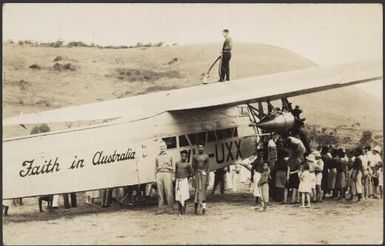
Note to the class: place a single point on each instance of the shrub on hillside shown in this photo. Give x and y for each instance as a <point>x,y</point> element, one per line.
<point>23,83</point>
<point>366,138</point>
<point>56,44</point>
<point>174,60</point>
<point>76,44</point>
<point>25,42</point>
<point>326,139</point>
<point>40,129</point>
<point>160,44</point>
<point>63,66</point>
<point>35,67</point>
<point>155,88</point>
<point>144,75</point>
<point>58,58</point>
<point>347,140</point>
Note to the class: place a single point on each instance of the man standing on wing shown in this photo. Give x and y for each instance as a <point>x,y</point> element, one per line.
<point>200,165</point>
<point>226,56</point>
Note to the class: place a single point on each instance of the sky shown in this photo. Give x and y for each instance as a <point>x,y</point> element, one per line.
<point>324,33</point>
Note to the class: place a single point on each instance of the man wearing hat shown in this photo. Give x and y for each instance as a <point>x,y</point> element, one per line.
<point>226,56</point>
<point>367,173</point>
<point>319,167</point>
<point>377,151</point>
<point>311,161</point>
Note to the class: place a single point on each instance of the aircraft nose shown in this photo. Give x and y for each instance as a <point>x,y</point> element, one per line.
<point>277,123</point>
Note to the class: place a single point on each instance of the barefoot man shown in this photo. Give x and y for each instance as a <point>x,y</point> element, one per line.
<point>200,164</point>
<point>183,172</point>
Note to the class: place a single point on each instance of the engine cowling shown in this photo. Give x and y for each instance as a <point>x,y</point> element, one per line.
<point>280,122</point>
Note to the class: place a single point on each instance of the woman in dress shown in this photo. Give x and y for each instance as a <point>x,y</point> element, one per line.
<point>305,185</point>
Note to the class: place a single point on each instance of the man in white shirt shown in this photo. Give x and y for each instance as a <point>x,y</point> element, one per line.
<point>376,156</point>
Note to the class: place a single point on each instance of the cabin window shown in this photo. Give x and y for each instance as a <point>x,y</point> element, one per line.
<point>202,137</point>
<point>235,134</point>
<point>183,141</point>
<point>227,133</point>
<point>211,136</point>
<point>219,134</point>
<point>170,142</point>
<point>193,138</point>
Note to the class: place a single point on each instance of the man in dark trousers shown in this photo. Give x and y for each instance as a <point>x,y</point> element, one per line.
<point>219,179</point>
<point>226,56</point>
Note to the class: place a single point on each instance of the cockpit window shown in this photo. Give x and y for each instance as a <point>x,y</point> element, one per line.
<point>183,141</point>
<point>227,133</point>
<point>202,137</point>
<point>170,142</point>
<point>193,138</point>
<point>219,134</point>
<point>235,133</point>
<point>211,136</point>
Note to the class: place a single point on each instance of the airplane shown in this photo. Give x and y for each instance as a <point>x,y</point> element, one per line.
<point>228,117</point>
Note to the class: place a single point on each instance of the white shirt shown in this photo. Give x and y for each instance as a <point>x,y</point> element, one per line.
<point>377,159</point>
<point>365,161</point>
<point>271,144</point>
<point>320,165</point>
<point>370,159</point>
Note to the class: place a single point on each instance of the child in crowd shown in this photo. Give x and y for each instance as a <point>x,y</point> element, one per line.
<point>305,185</point>
<point>263,185</point>
<point>377,181</point>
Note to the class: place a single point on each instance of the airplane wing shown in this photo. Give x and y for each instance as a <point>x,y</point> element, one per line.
<point>248,90</point>
<point>285,84</point>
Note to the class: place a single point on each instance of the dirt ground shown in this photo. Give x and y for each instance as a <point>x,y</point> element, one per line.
<point>231,219</point>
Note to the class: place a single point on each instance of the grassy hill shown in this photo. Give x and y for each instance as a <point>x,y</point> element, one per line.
<point>73,76</point>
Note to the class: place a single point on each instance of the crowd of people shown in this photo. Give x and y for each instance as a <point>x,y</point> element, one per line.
<point>298,176</point>
<point>284,171</point>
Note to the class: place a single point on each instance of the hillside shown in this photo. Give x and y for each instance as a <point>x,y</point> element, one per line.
<point>83,75</point>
